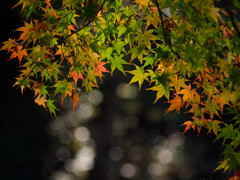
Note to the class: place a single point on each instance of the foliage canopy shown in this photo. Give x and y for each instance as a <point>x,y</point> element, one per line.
<point>185,50</point>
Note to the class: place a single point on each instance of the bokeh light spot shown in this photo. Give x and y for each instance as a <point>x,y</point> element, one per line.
<point>86,110</point>
<point>96,97</point>
<point>128,170</point>
<point>165,156</point>
<point>65,136</point>
<point>126,91</point>
<point>82,134</point>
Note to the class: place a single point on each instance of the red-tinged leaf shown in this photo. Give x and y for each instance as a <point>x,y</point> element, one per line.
<point>176,104</point>
<point>18,83</point>
<point>221,100</point>
<point>188,124</point>
<point>26,30</point>
<point>60,52</point>
<point>70,27</point>
<point>76,76</point>
<point>48,2</point>
<point>99,69</point>
<point>75,98</point>
<point>234,178</point>
<point>20,53</point>
<point>40,100</point>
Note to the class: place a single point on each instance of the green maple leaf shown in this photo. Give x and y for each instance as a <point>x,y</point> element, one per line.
<point>117,62</point>
<point>161,91</point>
<point>43,90</point>
<point>52,108</point>
<point>139,76</point>
<point>164,80</point>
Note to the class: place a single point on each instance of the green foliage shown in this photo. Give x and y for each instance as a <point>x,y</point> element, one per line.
<point>190,55</point>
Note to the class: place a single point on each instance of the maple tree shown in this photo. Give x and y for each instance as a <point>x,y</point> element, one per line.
<point>185,50</point>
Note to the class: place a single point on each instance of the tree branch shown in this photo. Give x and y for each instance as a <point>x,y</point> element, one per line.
<point>166,38</point>
<point>231,17</point>
<point>88,22</point>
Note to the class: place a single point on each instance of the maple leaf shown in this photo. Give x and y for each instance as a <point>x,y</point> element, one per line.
<point>99,69</point>
<point>40,100</point>
<point>161,91</point>
<point>178,83</point>
<point>9,44</point>
<point>76,76</point>
<point>117,62</point>
<point>139,76</point>
<point>188,93</point>
<point>20,53</point>
<point>48,4</point>
<point>143,4</point>
<point>25,4</point>
<point>75,99</point>
<point>26,30</point>
<point>152,20</point>
<point>52,108</point>
<point>70,27</point>
<point>234,178</point>
<point>221,100</point>
<point>20,82</point>
<point>212,108</point>
<point>188,124</point>
<point>213,12</point>
<point>176,104</point>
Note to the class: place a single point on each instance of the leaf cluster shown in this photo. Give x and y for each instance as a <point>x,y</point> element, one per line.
<point>184,50</point>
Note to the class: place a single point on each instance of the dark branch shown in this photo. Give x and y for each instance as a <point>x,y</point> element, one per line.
<point>88,22</point>
<point>231,17</point>
<point>165,35</point>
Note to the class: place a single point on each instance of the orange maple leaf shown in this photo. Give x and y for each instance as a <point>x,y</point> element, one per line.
<point>187,93</point>
<point>99,68</point>
<point>41,101</point>
<point>234,178</point>
<point>20,53</point>
<point>26,30</point>
<point>48,2</point>
<point>76,76</point>
<point>176,104</point>
<point>188,124</point>
<point>76,99</point>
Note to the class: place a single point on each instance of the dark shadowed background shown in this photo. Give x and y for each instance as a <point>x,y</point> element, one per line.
<point>117,134</point>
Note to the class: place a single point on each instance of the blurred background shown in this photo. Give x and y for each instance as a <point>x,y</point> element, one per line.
<point>116,133</point>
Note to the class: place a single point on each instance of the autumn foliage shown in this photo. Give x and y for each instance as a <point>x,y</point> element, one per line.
<point>187,51</point>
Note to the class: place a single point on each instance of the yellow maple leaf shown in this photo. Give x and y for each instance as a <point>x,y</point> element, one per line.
<point>161,91</point>
<point>143,4</point>
<point>187,93</point>
<point>213,12</point>
<point>24,3</point>
<point>7,45</point>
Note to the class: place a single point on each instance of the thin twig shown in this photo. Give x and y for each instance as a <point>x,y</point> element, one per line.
<point>87,23</point>
<point>166,38</point>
